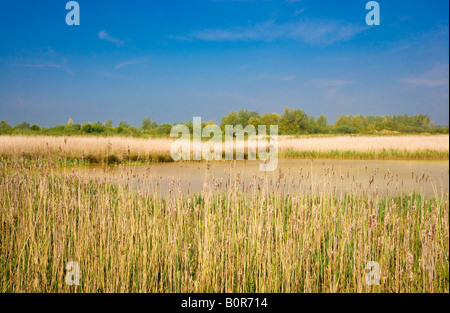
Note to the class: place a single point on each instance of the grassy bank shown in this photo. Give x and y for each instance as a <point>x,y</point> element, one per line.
<point>425,155</point>
<point>391,154</point>
<point>126,241</point>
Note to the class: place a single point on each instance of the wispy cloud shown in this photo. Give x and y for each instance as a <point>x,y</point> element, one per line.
<point>44,65</point>
<point>332,87</point>
<point>125,63</point>
<point>332,83</point>
<point>314,32</point>
<point>45,59</point>
<point>105,36</point>
<point>288,78</point>
<point>39,65</point>
<point>438,76</point>
<point>298,12</point>
<point>113,75</point>
<point>138,61</point>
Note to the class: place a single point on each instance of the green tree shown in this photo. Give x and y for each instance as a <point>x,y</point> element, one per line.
<point>230,119</point>
<point>320,126</point>
<point>270,119</point>
<point>147,124</point>
<point>22,126</point>
<point>87,128</point>
<point>108,123</point>
<point>322,122</point>
<point>254,121</point>
<point>244,116</point>
<point>124,125</point>
<point>164,129</point>
<point>5,128</point>
<point>294,121</point>
<point>35,128</point>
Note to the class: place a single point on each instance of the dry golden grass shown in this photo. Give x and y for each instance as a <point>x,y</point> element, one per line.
<point>84,148</point>
<point>261,241</point>
<point>366,143</point>
<point>119,149</point>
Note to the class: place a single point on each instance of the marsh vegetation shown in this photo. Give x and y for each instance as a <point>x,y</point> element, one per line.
<point>233,240</point>
<point>125,150</point>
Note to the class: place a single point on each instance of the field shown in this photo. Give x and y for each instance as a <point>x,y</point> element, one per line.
<point>235,235</point>
<point>76,150</point>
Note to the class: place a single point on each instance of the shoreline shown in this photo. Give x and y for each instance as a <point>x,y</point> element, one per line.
<point>392,155</point>
<point>126,150</point>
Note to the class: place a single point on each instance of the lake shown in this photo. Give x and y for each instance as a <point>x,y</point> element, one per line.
<point>365,177</point>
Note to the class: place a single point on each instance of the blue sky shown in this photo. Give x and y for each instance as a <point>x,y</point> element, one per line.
<point>172,60</point>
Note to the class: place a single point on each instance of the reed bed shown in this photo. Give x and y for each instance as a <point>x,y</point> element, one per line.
<point>260,241</point>
<point>91,150</point>
<point>86,149</point>
<point>411,143</point>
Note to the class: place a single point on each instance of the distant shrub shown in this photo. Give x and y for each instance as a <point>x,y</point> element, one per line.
<point>75,127</point>
<point>59,129</point>
<point>164,129</point>
<point>98,128</point>
<point>87,128</point>
<point>316,130</point>
<point>22,126</point>
<point>413,129</point>
<point>345,129</point>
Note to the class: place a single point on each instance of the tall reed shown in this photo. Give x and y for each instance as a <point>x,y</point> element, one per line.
<point>260,241</point>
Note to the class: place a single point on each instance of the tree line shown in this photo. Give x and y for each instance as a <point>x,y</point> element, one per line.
<point>290,122</point>
<point>297,122</point>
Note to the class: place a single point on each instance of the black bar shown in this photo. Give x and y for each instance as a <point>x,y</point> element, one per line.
<point>227,302</point>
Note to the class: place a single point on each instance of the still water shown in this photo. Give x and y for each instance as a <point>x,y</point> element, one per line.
<point>375,178</point>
